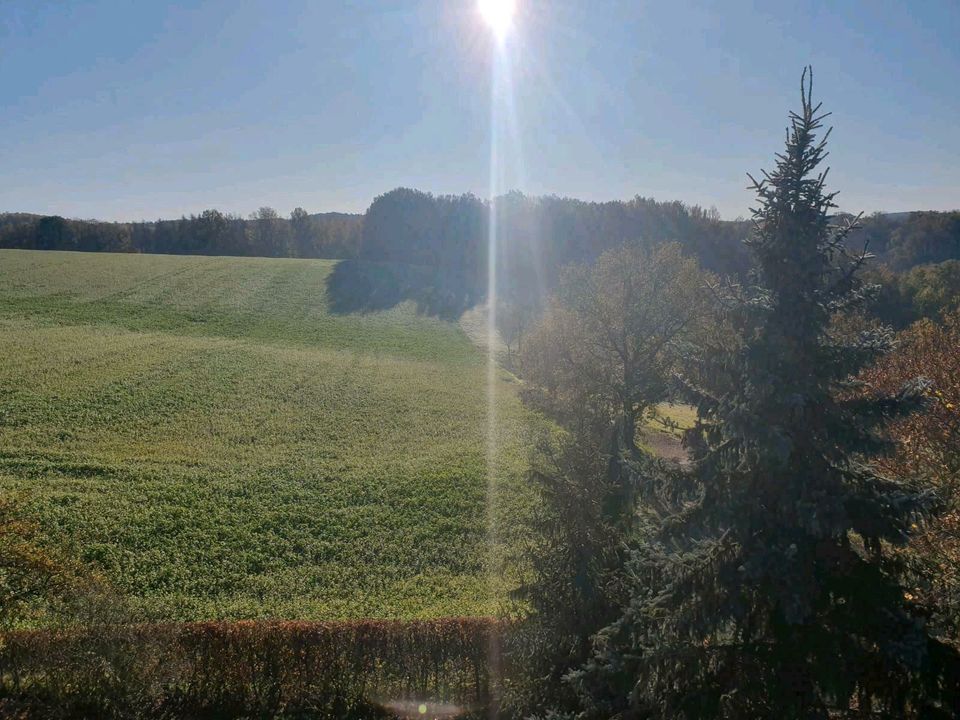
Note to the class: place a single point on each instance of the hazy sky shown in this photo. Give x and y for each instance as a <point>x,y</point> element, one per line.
<point>137,110</point>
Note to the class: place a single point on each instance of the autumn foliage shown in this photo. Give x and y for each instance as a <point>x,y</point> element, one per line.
<point>929,450</point>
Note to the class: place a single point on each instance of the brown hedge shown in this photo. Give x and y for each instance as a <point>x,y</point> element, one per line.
<point>254,668</point>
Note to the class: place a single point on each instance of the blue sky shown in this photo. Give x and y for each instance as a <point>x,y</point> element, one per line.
<point>138,110</point>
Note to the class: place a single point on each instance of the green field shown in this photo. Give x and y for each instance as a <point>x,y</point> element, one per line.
<point>207,435</point>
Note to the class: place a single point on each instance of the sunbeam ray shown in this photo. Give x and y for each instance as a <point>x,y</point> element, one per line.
<point>499,16</point>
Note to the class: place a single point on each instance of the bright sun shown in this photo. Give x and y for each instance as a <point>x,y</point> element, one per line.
<point>498,14</point>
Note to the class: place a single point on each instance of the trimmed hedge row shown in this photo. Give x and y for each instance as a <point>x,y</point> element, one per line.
<point>366,668</point>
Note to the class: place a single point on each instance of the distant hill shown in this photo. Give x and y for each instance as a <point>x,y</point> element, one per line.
<point>903,240</point>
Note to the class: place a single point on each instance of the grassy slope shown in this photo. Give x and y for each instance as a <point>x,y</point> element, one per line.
<point>207,434</point>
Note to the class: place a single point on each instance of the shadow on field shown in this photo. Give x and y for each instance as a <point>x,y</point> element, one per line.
<point>359,286</point>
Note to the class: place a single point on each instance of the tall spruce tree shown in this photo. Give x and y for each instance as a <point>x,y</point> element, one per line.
<point>766,590</point>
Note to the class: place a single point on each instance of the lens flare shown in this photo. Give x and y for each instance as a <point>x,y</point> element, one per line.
<point>498,14</point>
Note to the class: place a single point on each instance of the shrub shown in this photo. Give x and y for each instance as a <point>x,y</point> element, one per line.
<point>251,669</point>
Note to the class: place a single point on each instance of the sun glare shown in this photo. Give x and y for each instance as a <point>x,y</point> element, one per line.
<point>498,14</point>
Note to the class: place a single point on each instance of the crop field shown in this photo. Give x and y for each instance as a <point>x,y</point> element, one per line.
<point>206,434</point>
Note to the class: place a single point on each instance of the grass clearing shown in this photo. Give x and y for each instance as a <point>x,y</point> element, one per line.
<point>671,418</point>
<point>662,430</point>
<point>216,442</point>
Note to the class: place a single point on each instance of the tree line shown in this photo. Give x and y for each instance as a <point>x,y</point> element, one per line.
<point>537,236</point>
<point>916,268</point>
<point>446,237</point>
<point>264,233</point>
<point>905,240</point>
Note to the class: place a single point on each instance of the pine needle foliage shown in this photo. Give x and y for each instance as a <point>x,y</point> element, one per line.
<point>768,589</point>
